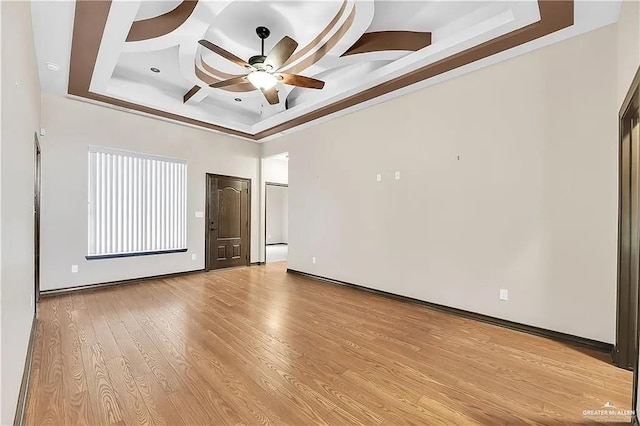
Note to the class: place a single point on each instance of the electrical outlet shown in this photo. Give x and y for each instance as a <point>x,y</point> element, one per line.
<point>199,214</point>
<point>504,294</point>
<point>397,175</point>
<point>74,269</point>
<point>379,177</point>
<point>313,260</point>
<point>194,256</point>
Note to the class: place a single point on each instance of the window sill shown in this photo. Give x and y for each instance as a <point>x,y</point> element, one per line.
<point>141,253</point>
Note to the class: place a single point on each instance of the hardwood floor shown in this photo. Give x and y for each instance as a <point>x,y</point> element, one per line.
<point>259,346</point>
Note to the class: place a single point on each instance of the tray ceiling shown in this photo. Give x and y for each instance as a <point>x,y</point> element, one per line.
<point>364,50</point>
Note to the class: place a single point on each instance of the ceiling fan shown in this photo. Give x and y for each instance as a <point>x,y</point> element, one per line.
<point>264,73</point>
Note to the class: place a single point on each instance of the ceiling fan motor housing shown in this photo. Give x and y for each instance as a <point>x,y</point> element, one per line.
<point>257,61</point>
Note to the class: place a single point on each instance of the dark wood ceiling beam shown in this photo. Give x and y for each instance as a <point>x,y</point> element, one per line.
<point>381,41</point>
<point>158,26</point>
<point>190,93</point>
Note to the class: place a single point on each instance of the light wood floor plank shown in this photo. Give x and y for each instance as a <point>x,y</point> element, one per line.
<point>50,410</point>
<point>102,394</point>
<point>260,346</point>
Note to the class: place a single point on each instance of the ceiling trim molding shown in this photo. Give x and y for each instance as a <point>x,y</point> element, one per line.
<point>325,48</point>
<point>89,24</point>
<point>390,40</point>
<point>554,16</point>
<point>190,93</point>
<point>158,26</point>
<point>91,17</point>
<point>300,53</point>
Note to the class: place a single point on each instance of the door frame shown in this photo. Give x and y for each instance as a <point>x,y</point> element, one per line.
<point>627,286</point>
<point>208,177</point>
<point>632,99</point>
<point>283,185</point>
<point>37,188</point>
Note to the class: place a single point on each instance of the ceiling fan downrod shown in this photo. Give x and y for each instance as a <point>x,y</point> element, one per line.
<point>263,33</point>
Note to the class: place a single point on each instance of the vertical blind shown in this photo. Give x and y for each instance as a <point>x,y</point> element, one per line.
<point>137,203</point>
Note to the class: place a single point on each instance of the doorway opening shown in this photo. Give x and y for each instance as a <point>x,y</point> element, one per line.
<point>228,229</point>
<point>276,219</point>
<point>36,223</point>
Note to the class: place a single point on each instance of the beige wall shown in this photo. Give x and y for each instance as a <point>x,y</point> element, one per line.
<point>20,120</point>
<point>628,46</point>
<point>0,215</point>
<point>529,206</point>
<point>71,126</point>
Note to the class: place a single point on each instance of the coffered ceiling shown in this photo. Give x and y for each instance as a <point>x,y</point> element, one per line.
<point>365,51</point>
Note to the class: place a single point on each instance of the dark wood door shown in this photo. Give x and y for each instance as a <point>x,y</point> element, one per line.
<point>228,221</point>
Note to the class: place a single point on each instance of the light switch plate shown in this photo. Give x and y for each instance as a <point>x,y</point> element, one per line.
<point>313,259</point>
<point>194,256</point>
<point>397,175</point>
<point>199,214</point>
<point>504,294</point>
<point>379,177</point>
<point>74,269</point>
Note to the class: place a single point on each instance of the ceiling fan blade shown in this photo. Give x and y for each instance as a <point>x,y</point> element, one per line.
<point>271,95</point>
<point>229,82</point>
<point>301,81</point>
<point>224,53</point>
<point>280,53</point>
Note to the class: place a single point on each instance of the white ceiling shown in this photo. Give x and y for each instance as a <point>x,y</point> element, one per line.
<point>122,68</point>
<point>150,9</point>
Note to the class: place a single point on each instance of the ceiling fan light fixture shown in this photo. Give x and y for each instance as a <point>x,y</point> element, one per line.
<point>262,80</point>
<point>264,71</point>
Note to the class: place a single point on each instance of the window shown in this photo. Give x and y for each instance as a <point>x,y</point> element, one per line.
<point>137,204</point>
